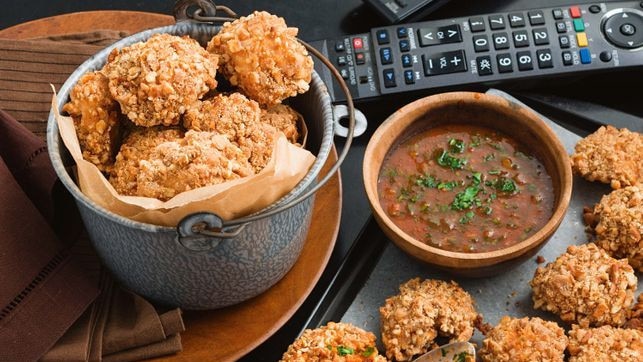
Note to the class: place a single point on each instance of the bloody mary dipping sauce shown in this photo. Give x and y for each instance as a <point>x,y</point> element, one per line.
<point>465,188</point>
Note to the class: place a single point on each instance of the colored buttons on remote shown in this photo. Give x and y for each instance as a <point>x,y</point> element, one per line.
<point>358,43</point>
<point>574,12</point>
<point>439,35</point>
<point>581,39</point>
<point>585,56</point>
<point>445,62</point>
<point>579,25</point>
<point>360,58</point>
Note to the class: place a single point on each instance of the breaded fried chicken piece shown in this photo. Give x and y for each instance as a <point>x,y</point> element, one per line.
<point>587,286</point>
<point>161,164</point>
<point>156,81</point>
<point>284,119</point>
<point>619,224</point>
<point>95,114</point>
<point>234,116</point>
<point>605,344</point>
<point>237,118</point>
<point>611,156</point>
<point>261,55</point>
<point>636,317</point>
<point>524,340</point>
<point>337,342</point>
<point>424,310</point>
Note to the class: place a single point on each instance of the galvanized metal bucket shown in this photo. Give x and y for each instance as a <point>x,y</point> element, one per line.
<point>206,262</point>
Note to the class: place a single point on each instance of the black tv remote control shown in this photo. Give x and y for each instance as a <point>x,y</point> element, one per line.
<point>488,49</point>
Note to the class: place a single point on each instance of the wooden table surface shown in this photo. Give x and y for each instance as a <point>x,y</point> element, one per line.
<point>229,333</point>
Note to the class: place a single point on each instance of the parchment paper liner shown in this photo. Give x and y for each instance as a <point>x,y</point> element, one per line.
<point>230,200</point>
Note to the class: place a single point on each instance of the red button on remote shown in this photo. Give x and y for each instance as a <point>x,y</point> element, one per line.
<point>358,43</point>
<point>574,11</point>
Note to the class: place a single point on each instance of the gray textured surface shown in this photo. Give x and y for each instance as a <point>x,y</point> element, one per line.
<point>505,294</point>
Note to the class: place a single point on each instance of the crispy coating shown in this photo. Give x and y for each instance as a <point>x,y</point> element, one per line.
<point>587,286</point>
<point>239,119</point>
<point>611,156</point>
<point>524,340</point>
<point>619,226</point>
<point>234,116</point>
<point>636,317</point>
<point>161,163</point>
<point>283,118</point>
<point>156,81</point>
<point>605,344</point>
<point>423,311</point>
<point>260,54</point>
<point>335,342</point>
<point>96,119</point>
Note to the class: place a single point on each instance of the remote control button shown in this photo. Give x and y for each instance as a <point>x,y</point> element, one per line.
<point>567,58</point>
<point>409,77</point>
<point>521,39</point>
<point>585,56</point>
<point>544,58</point>
<point>581,39</point>
<point>360,58</point>
<point>402,3</point>
<point>524,61</point>
<point>563,40</point>
<point>389,78</point>
<point>561,27</point>
<point>405,45</point>
<point>516,20</point>
<point>407,61</point>
<point>579,25</point>
<point>443,63</point>
<point>505,64</point>
<point>358,43</point>
<point>476,24</point>
<point>605,56</point>
<point>574,11</point>
<point>627,29</point>
<point>344,73</point>
<point>496,22</point>
<point>540,36</point>
<point>402,32</point>
<point>386,56</point>
<point>536,17</point>
<point>484,65</point>
<point>363,79</point>
<point>594,9</point>
<point>339,46</point>
<point>624,29</point>
<point>440,35</point>
<point>500,41</point>
<point>557,14</point>
<point>382,37</point>
<point>341,60</point>
<point>480,43</point>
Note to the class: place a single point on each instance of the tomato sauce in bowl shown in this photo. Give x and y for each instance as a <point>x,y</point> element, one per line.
<point>465,188</point>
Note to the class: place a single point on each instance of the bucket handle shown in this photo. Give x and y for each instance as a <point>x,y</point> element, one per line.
<point>210,224</point>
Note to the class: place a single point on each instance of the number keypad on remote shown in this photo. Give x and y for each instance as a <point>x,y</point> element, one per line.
<point>489,48</point>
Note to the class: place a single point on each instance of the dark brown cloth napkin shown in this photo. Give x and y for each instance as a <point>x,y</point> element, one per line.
<point>119,325</point>
<point>42,291</point>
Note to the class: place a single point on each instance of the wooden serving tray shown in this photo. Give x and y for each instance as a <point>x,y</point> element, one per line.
<point>229,333</point>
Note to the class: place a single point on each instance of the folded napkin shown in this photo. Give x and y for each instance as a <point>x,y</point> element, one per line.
<point>119,325</point>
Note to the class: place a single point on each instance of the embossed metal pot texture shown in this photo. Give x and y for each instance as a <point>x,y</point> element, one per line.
<point>151,261</point>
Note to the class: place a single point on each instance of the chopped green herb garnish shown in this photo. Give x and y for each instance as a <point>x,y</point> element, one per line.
<point>494,172</point>
<point>477,178</point>
<point>443,351</point>
<point>343,351</point>
<point>456,145</point>
<point>446,160</point>
<point>447,186</point>
<point>506,185</point>
<point>465,199</point>
<point>490,157</point>
<point>391,172</point>
<point>426,181</point>
<point>487,210</point>
<point>475,141</point>
<point>467,217</point>
<point>425,207</point>
<point>368,351</point>
<point>461,357</point>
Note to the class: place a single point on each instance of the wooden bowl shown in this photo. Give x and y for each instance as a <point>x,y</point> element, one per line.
<point>484,110</point>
